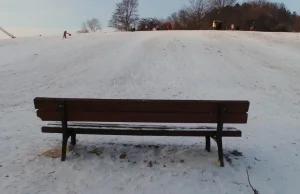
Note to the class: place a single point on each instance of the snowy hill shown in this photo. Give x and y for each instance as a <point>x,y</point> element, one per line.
<point>263,68</point>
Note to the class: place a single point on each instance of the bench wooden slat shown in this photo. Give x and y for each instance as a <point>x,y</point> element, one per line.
<point>144,132</point>
<point>143,117</point>
<point>138,126</point>
<point>135,105</point>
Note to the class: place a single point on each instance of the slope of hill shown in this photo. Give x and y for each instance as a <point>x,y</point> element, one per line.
<point>263,68</point>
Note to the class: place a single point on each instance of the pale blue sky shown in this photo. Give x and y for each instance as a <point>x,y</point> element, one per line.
<point>54,15</point>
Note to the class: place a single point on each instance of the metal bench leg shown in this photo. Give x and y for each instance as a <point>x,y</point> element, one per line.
<point>73,139</point>
<point>207,143</point>
<point>64,147</point>
<point>66,134</point>
<point>221,117</point>
<point>220,151</point>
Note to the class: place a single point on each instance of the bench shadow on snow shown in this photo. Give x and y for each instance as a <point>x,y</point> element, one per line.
<point>145,154</point>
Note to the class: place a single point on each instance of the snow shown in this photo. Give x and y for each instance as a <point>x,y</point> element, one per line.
<point>32,32</point>
<point>263,68</point>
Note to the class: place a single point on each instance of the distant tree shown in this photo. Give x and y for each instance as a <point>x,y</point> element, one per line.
<point>197,10</point>
<point>222,3</point>
<point>149,22</point>
<point>125,16</point>
<point>83,29</point>
<point>90,25</point>
<point>260,14</point>
<point>163,24</point>
<point>191,16</point>
<point>257,2</point>
<point>93,24</point>
<point>184,19</point>
<point>296,26</point>
<point>174,19</point>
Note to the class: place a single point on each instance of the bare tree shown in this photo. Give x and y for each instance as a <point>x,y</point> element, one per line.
<point>90,25</point>
<point>149,22</point>
<point>197,10</point>
<point>125,15</point>
<point>257,2</point>
<point>175,21</point>
<point>183,18</point>
<point>83,29</point>
<point>93,24</point>
<point>221,3</point>
<point>190,16</point>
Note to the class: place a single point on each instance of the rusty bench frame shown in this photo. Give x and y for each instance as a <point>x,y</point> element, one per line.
<point>114,110</point>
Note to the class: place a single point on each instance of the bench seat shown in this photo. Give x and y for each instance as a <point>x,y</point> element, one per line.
<point>140,129</point>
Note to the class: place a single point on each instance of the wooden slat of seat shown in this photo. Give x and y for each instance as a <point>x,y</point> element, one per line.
<point>138,126</point>
<point>142,131</point>
<point>143,117</point>
<point>135,105</point>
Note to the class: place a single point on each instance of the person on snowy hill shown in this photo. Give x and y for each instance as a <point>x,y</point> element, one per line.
<point>169,26</point>
<point>252,28</point>
<point>219,25</point>
<point>65,34</point>
<point>214,25</point>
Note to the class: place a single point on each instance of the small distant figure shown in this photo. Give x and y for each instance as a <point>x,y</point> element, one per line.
<point>232,27</point>
<point>157,27</point>
<point>146,28</point>
<point>133,29</point>
<point>169,26</point>
<point>252,28</point>
<point>65,34</point>
<point>219,25</point>
<point>214,25</point>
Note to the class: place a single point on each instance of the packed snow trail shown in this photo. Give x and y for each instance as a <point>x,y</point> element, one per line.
<point>206,65</point>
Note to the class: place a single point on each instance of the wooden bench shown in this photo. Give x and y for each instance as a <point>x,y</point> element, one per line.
<point>126,117</point>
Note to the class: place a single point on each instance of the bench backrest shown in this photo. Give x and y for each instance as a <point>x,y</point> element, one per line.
<point>155,111</point>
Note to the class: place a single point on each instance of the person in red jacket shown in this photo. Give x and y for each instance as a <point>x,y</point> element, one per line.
<point>169,26</point>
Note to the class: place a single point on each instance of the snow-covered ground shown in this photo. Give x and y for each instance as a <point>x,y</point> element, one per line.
<point>263,68</point>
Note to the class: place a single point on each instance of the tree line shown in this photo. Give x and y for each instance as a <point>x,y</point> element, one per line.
<point>200,14</point>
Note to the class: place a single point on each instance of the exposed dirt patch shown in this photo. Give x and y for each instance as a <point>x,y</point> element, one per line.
<point>54,152</point>
<point>234,154</point>
<point>123,156</point>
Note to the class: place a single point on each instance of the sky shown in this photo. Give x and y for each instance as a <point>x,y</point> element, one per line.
<point>33,17</point>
